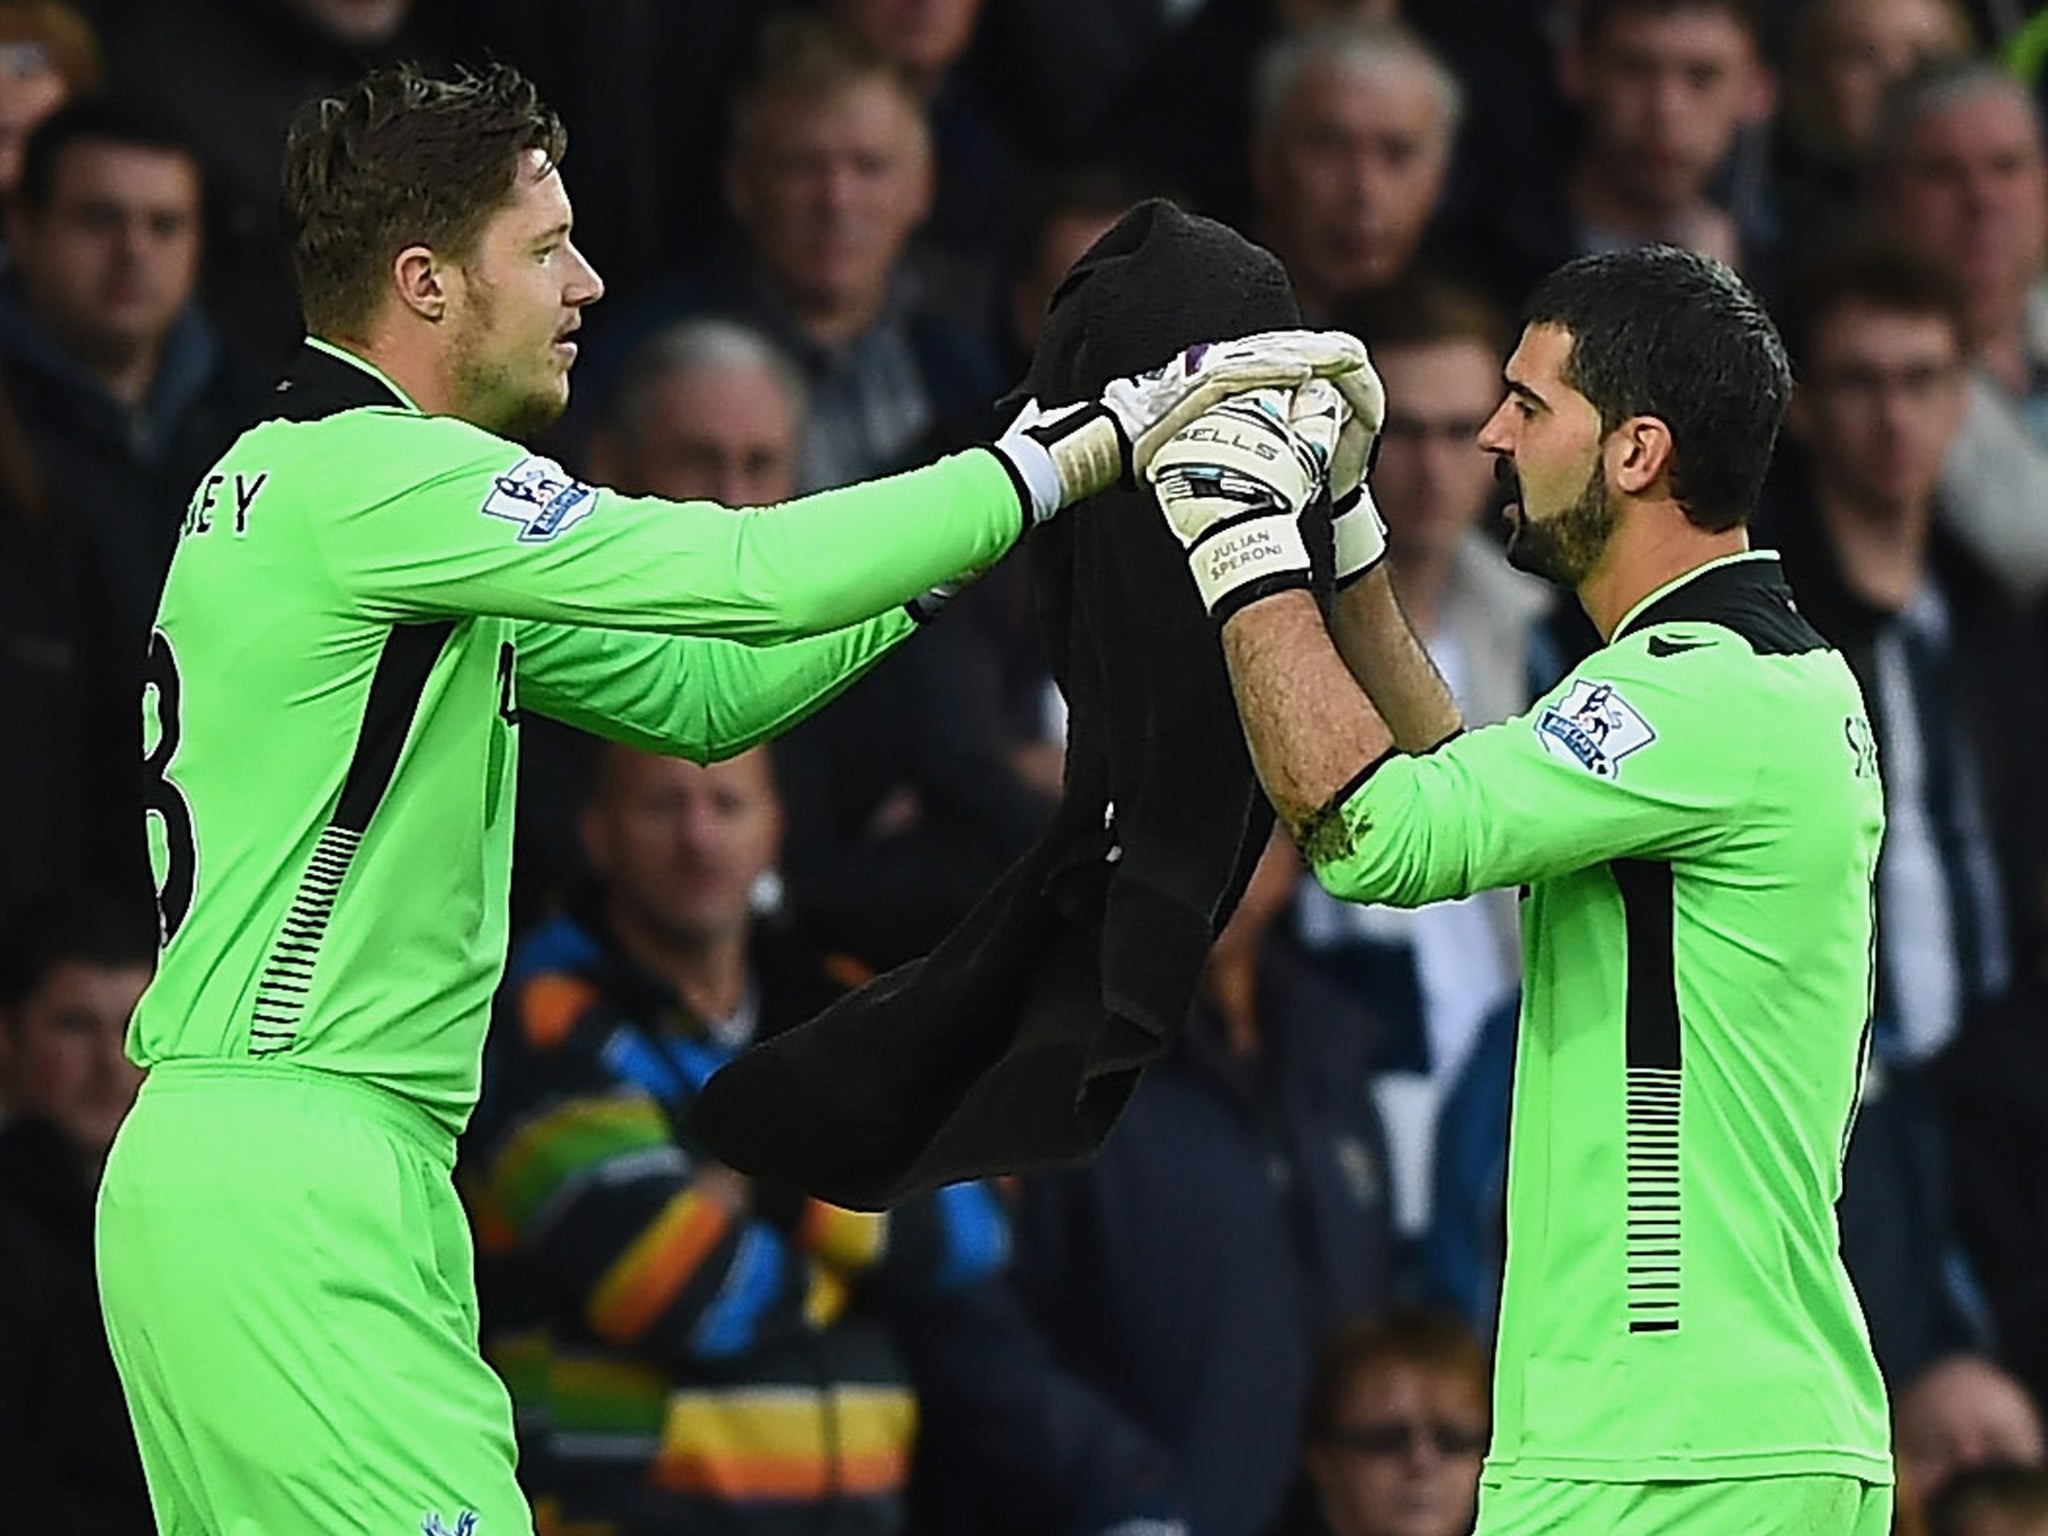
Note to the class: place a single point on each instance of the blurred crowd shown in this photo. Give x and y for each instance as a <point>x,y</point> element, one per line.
<point>829,234</point>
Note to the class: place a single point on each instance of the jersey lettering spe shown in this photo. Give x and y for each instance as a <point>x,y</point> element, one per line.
<point>1695,815</point>
<point>363,600</point>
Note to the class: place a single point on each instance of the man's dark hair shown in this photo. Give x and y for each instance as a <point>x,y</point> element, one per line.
<point>94,928</point>
<point>102,120</point>
<point>1421,309</point>
<point>1869,274</point>
<point>1658,331</point>
<point>1096,191</point>
<point>401,158</point>
<point>1596,15</point>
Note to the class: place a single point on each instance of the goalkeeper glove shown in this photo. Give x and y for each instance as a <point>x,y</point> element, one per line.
<point>1360,535</point>
<point>1233,484</point>
<point>1063,456</point>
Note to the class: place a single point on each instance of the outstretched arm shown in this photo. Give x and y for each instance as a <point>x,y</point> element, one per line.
<point>703,699</point>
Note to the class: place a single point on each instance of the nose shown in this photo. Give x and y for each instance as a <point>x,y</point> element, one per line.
<point>1496,437</point>
<point>585,286</point>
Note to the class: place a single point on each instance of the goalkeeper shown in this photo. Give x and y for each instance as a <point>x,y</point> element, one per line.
<point>1693,815</point>
<point>369,589</point>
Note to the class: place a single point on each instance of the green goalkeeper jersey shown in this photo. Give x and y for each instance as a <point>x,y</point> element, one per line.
<point>1693,815</point>
<point>363,600</point>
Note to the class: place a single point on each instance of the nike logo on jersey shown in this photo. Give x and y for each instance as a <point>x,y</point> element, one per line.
<point>1659,646</point>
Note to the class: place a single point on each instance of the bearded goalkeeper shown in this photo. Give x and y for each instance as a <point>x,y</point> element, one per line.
<point>371,586</point>
<point>1693,816</point>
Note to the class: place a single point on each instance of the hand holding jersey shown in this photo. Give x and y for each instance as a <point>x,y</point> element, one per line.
<point>1355,524</point>
<point>1063,456</point>
<point>1233,484</point>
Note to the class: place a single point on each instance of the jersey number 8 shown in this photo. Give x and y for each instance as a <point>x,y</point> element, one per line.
<point>162,798</point>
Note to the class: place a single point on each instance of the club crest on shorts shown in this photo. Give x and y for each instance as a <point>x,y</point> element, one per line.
<point>1593,726</point>
<point>465,1525</point>
<point>540,496</point>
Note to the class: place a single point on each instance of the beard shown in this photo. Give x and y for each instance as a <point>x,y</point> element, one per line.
<point>1567,547</point>
<point>493,393</point>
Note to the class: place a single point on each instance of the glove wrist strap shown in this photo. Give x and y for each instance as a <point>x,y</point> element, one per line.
<point>1245,558</point>
<point>1358,534</point>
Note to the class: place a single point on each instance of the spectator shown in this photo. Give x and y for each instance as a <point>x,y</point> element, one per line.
<point>749,1386</point>
<point>1960,175</point>
<point>748,1338</point>
<point>1396,1426</point>
<point>48,54</point>
<point>1845,55</point>
<point>1433,975</point>
<point>829,177</point>
<point>1963,1412</point>
<point>1235,1214</point>
<point>1664,90</point>
<point>124,397</point>
<point>229,74</point>
<point>1994,1501</point>
<point>1949,669</point>
<point>70,793</point>
<point>1879,339</point>
<point>979,183</point>
<point>1155,134</point>
<point>905,796</point>
<point>708,410</point>
<point>1351,146</point>
<point>68,982</point>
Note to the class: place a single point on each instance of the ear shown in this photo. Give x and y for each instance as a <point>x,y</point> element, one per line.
<point>422,282</point>
<point>1639,455</point>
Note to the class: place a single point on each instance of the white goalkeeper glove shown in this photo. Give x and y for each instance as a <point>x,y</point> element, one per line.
<point>1062,456</point>
<point>1233,484</point>
<point>1360,401</point>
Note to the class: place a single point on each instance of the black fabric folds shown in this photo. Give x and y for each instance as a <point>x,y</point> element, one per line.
<point>1015,1043</point>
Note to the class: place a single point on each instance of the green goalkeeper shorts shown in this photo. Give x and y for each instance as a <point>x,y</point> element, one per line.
<point>1817,1504</point>
<point>290,1295</point>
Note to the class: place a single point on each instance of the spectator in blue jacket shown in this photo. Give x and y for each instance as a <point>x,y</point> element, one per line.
<point>689,1350</point>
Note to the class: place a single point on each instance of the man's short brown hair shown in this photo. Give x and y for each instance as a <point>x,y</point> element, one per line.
<point>809,58</point>
<point>1869,273</point>
<point>1432,1340</point>
<point>401,158</point>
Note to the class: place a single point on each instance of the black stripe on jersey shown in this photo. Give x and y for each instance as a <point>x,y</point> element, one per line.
<point>1654,1099</point>
<point>1750,597</point>
<point>1652,981</point>
<point>410,651</point>
<point>400,682</point>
